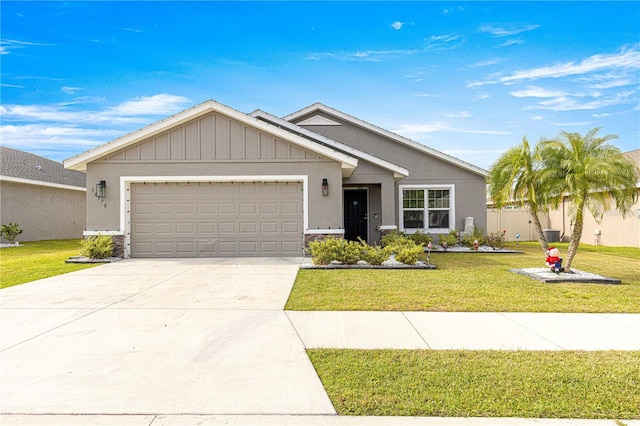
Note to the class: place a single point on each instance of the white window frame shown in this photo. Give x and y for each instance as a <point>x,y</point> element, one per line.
<point>426,188</point>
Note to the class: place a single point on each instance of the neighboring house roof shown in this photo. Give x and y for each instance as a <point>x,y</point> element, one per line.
<point>319,107</point>
<point>24,167</point>
<point>398,172</point>
<point>80,162</point>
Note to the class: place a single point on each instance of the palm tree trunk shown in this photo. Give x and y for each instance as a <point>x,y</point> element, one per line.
<point>576,235</point>
<point>538,227</point>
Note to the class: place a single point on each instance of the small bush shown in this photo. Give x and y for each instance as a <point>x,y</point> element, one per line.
<point>451,238</point>
<point>373,255</point>
<point>409,254</point>
<point>478,234</point>
<point>496,240</point>
<point>10,231</point>
<point>338,249</point>
<point>393,238</point>
<point>419,238</point>
<point>98,247</point>
<point>349,252</point>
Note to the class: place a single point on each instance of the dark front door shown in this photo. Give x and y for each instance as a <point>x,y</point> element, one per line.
<point>355,214</point>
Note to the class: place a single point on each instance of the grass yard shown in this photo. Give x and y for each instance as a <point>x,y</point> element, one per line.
<point>37,260</point>
<point>549,384</point>
<point>476,282</point>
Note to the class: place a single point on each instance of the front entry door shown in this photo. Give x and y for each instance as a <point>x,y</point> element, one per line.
<point>355,214</point>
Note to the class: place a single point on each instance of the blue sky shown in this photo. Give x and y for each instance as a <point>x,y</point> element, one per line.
<point>467,78</point>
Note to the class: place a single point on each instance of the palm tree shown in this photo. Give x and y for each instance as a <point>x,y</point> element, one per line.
<point>515,178</point>
<point>591,173</point>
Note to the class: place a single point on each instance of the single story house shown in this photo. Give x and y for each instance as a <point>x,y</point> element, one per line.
<point>41,196</point>
<point>213,181</point>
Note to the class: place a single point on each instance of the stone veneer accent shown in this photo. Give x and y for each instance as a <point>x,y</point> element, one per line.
<point>308,238</point>
<point>118,246</point>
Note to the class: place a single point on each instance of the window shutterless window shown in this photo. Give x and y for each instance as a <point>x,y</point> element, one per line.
<point>426,208</point>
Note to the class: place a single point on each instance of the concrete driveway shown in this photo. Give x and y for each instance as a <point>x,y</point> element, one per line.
<point>192,336</point>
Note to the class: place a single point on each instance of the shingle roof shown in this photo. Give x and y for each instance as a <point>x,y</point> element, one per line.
<point>385,133</point>
<point>24,165</point>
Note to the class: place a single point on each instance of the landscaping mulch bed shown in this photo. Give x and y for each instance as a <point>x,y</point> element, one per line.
<point>576,276</point>
<point>307,263</point>
<point>83,259</point>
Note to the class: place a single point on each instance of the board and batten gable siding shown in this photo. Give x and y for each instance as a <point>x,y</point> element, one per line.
<point>212,138</point>
<point>423,168</point>
<point>213,145</point>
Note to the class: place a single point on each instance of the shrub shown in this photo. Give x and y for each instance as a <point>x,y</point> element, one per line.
<point>331,248</point>
<point>419,238</point>
<point>393,238</point>
<point>496,240</point>
<point>478,234</point>
<point>451,238</point>
<point>374,255</point>
<point>10,231</point>
<point>409,254</point>
<point>98,247</point>
<point>349,252</point>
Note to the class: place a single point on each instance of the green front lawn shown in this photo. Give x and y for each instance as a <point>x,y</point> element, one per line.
<point>475,282</point>
<point>548,384</point>
<point>37,260</point>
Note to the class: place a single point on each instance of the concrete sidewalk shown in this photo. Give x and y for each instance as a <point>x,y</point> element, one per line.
<point>292,420</point>
<point>467,330</point>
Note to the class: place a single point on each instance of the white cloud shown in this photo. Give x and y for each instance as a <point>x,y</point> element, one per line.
<point>569,103</point>
<point>512,42</point>
<point>38,137</point>
<point>69,128</point>
<point>421,129</point>
<point>6,45</point>
<point>70,90</point>
<point>396,25</point>
<point>507,30</point>
<point>15,86</point>
<point>444,42</point>
<point>461,114</point>
<point>625,62</point>
<point>626,59</point>
<point>537,92</point>
<point>151,105</point>
<point>486,63</point>
<point>129,112</point>
<point>360,56</point>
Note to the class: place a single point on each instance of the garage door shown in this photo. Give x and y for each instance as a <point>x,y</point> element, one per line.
<point>216,219</point>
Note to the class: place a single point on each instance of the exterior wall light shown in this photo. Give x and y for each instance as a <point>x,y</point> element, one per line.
<point>101,189</point>
<point>325,187</point>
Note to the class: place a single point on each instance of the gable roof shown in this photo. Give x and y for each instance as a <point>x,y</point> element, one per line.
<point>80,162</point>
<point>319,107</point>
<point>398,172</point>
<point>24,167</point>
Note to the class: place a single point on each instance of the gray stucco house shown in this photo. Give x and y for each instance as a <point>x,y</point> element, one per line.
<point>213,181</point>
<point>40,195</point>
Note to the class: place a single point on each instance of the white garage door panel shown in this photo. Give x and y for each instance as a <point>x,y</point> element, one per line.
<point>216,219</point>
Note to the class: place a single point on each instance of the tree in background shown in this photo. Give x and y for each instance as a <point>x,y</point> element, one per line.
<point>591,173</point>
<point>516,178</point>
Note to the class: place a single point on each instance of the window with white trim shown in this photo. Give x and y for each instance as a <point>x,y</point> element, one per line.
<point>427,208</point>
